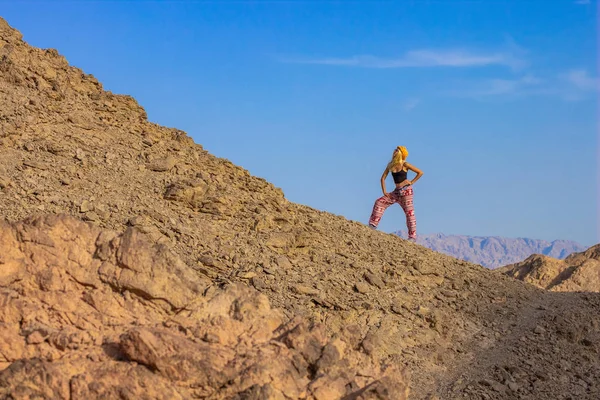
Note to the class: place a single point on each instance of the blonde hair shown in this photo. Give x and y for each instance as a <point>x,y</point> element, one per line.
<point>399,157</point>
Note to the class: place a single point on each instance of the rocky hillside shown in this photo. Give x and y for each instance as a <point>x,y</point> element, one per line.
<point>578,272</point>
<point>168,277</point>
<point>494,251</point>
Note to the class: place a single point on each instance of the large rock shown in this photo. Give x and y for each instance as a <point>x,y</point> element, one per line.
<point>83,307</point>
<point>577,272</point>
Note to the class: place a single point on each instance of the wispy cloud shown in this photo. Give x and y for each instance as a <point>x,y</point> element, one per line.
<point>509,86</point>
<point>410,104</point>
<point>420,58</point>
<point>577,84</point>
<point>583,2</point>
<point>483,88</point>
<point>572,85</point>
<point>581,80</point>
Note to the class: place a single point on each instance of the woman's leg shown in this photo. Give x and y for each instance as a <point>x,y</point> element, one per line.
<point>406,201</point>
<point>379,208</point>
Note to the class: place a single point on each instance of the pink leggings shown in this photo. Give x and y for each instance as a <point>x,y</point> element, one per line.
<point>403,196</point>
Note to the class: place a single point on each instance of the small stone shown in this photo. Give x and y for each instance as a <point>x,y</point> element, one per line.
<point>162,164</point>
<point>367,305</point>
<point>423,311</point>
<point>496,386</point>
<point>301,289</point>
<point>35,338</point>
<point>368,344</point>
<point>79,154</point>
<point>4,182</point>
<point>85,206</point>
<point>581,383</point>
<point>323,303</point>
<point>212,262</point>
<point>211,338</point>
<point>258,283</point>
<point>374,280</point>
<point>284,263</point>
<point>438,280</point>
<point>539,330</point>
<point>513,386</point>
<point>361,287</point>
<point>91,216</point>
<point>247,275</point>
<point>35,165</point>
<point>397,308</point>
<point>530,362</point>
<point>278,240</point>
<point>103,213</point>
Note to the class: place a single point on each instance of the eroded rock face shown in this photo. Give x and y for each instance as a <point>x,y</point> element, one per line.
<point>577,272</point>
<point>90,312</point>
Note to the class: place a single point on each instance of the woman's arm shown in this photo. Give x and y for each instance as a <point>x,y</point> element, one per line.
<point>383,181</point>
<point>414,169</point>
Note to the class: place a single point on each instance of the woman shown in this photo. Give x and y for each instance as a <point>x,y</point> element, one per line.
<point>403,194</point>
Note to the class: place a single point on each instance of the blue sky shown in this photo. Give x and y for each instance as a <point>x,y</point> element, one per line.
<point>496,101</point>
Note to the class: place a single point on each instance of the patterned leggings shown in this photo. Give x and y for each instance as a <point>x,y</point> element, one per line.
<point>403,196</point>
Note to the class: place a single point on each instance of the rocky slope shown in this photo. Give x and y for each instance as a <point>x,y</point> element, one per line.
<point>69,147</point>
<point>494,251</point>
<point>577,272</point>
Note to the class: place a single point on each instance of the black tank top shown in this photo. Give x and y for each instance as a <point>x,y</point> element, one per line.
<point>399,176</point>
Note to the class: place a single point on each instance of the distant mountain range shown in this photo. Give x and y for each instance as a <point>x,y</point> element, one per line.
<point>493,251</point>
